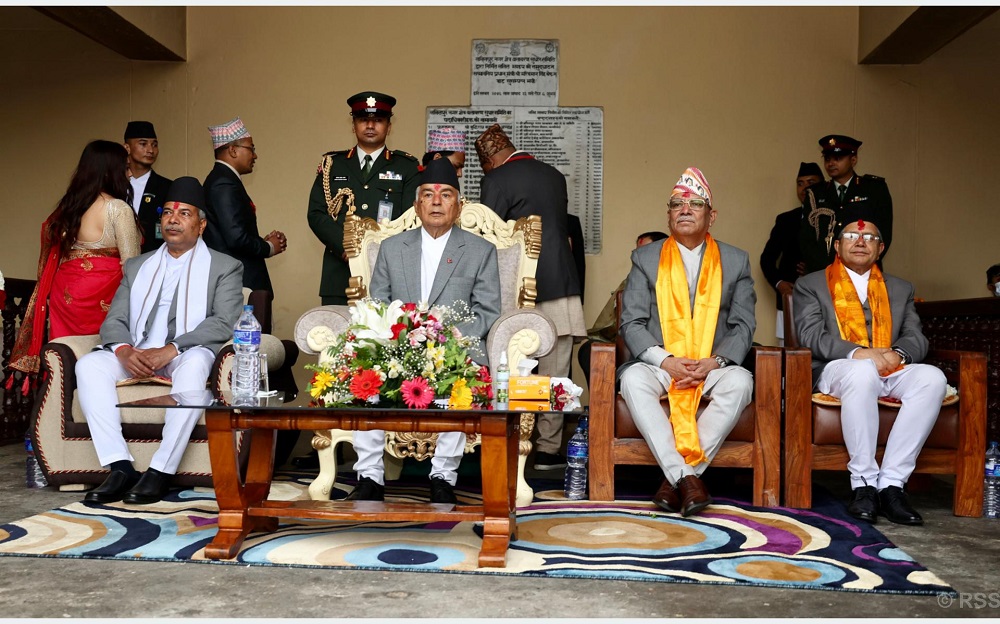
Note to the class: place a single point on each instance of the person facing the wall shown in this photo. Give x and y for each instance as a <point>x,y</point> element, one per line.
<point>148,187</point>
<point>383,183</point>
<point>688,321</point>
<point>232,215</point>
<point>446,142</point>
<point>516,185</point>
<point>781,260</point>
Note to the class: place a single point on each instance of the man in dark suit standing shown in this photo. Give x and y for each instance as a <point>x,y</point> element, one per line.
<point>845,189</point>
<point>864,334</point>
<point>383,182</point>
<point>688,320</point>
<point>516,185</point>
<point>781,260</point>
<point>232,216</point>
<point>148,187</point>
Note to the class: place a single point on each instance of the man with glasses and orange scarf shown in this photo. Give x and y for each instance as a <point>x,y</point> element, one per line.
<point>688,319</point>
<point>864,334</point>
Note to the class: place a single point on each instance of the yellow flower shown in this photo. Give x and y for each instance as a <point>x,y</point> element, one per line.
<point>320,383</point>
<point>461,396</point>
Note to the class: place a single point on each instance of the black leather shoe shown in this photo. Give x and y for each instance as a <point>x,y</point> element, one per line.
<point>894,505</point>
<point>549,461</point>
<point>442,491</point>
<point>367,490</point>
<point>151,488</point>
<point>864,504</point>
<point>667,497</point>
<point>113,488</point>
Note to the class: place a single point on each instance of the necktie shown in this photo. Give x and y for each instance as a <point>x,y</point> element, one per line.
<point>841,192</point>
<point>368,167</point>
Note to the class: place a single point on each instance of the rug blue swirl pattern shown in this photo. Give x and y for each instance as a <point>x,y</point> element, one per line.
<point>729,543</point>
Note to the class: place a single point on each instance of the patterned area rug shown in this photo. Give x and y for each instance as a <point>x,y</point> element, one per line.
<point>729,543</point>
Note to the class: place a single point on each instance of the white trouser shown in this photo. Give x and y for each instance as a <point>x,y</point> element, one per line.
<point>97,373</point>
<point>920,388</point>
<point>369,446</point>
<point>550,425</point>
<point>730,390</point>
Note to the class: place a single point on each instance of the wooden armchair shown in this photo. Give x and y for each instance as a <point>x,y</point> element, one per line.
<point>521,331</point>
<point>61,437</point>
<point>814,439</point>
<point>754,443</point>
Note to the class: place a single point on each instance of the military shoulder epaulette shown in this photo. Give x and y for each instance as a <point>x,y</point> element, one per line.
<point>872,176</point>
<point>335,152</point>
<point>405,155</point>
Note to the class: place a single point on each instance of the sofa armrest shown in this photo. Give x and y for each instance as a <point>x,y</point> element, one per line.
<point>538,340</point>
<point>79,345</point>
<point>336,318</point>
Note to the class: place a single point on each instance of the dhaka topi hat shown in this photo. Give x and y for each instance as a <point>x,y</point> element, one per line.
<point>139,130</point>
<point>839,145</point>
<point>228,132</point>
<point>446,139</point>
<point>692,183</point>
<point>810,169</point>
<point>186,190</point>
<point>371,104</point>
<point>492,141</point>
<point>440,171</point>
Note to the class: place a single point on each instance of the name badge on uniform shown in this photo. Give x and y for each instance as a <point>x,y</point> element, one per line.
<point>159,232</point>
<point>340,178</point>
<point>390,175</point>
<point>384,210</point>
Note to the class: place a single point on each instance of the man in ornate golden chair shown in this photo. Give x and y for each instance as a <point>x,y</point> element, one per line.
<point>864,334</point>
<point>438,264</point>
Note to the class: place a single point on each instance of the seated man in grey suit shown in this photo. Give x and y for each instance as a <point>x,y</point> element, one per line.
<point>173,311</point>
<point>439,263</point>
<point>864,334</point>
<point>688,319</point>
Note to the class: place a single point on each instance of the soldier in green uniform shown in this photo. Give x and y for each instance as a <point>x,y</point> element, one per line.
<point>825,201</point>
<point>384,183</point>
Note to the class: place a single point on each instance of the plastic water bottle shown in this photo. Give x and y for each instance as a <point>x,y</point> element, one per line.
<point>34,477</point>
<point>577,451</point>
<point>246,344</point>
<point>502,389</point>
<point>991,482</point>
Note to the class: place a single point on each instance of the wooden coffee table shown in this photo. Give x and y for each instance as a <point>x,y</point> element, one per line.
<point>243,504</point>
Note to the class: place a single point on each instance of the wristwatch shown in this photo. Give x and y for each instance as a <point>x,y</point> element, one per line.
<point>902,354</point>
<point>723,362</point>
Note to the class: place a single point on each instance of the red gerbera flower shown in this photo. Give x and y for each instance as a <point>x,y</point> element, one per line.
<point>397,329</point>
<point>416,393</point>
<point>366,384</point>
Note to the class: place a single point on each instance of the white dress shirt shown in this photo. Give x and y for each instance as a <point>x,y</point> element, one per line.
<point>431,250</point>
<point>138,188</point>
<point>374,155</point>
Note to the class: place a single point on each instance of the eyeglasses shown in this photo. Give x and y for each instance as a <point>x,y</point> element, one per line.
<point>696,205</point>
<point>249,147</point>
<point>853,236</point>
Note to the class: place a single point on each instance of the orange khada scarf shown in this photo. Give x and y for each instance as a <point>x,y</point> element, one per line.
<point>850,314</point>
<point>688,335</point>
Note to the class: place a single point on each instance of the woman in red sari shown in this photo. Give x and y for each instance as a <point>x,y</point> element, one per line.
<point>85,241</point>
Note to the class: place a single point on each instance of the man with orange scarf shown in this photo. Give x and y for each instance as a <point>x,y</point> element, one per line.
<point>864,334</point>
<point>688,319</point>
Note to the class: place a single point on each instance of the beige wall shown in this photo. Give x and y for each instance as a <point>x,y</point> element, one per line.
<point>743,93</point>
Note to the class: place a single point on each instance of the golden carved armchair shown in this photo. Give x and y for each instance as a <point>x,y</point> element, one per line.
<point>521,331</point>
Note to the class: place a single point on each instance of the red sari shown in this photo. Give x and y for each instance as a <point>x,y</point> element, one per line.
<point>74,293</point>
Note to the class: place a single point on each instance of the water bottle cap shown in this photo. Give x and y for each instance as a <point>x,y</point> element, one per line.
<point>248,308</point>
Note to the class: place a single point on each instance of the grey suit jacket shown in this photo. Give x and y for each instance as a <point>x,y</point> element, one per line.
<point>816,321</point>
<point>640,322</point>
<point>468,272</point>
<point>224,304</point>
